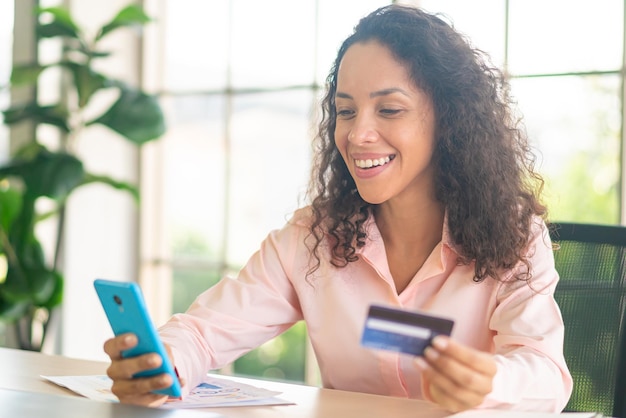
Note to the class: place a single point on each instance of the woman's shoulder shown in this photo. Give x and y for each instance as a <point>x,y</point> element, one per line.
<point>296,227</point>
<point>539,231</point>
<point>301,217</point>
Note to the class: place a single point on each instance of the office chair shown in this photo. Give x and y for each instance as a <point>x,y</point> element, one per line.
<point>591,261</point>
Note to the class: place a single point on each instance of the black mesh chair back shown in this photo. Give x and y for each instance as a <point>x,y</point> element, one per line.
<point>591,261</point>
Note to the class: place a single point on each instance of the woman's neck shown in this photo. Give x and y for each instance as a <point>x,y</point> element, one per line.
<point>407,225</point>
<point>410,234</point>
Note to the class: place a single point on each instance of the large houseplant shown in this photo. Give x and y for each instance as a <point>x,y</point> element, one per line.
<point>31,285</point>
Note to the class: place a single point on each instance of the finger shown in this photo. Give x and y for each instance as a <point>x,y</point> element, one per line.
<point>473,386</point>
<point>149,399</point>
<point>113,347</point>
<point>127,368</point>
<point>446,392</point>
<point>470,357</point>
<point>140,391</point>
<point>455,375</point>
<point>451,402</point>
<point>141,386</point>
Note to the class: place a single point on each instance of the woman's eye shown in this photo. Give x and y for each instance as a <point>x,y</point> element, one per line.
<point>344,113</point>
<point>390,112</point>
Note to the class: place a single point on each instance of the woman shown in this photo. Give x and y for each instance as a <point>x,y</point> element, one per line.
<point>423,197</point>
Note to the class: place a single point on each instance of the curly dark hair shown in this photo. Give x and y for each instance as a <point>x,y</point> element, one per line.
<point>485,175</point>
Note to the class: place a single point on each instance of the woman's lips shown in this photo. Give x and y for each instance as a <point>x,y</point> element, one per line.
<point>370,167</point>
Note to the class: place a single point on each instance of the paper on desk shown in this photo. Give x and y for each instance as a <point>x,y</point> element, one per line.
<point>212,392</point>
<point>486,413</point>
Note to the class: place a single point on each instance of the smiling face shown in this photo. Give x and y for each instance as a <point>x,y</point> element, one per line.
<point>385,128</point>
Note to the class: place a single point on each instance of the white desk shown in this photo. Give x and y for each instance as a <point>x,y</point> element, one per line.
<point>21,371</point>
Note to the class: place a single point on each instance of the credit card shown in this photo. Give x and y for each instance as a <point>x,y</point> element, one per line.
<point>402,330</point>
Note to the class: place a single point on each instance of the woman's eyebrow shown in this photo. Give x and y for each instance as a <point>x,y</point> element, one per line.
<point>378,93</point>
<point>343,95</point>
<point>388,91</point>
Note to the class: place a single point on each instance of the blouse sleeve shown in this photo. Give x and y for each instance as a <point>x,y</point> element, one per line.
<point>237,314</point>
<point>531,370</point>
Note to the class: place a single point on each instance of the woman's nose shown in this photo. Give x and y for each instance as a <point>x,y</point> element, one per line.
<point>363,130</point>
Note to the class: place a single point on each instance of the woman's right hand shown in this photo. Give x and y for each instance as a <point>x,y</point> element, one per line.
<point>136,391</point>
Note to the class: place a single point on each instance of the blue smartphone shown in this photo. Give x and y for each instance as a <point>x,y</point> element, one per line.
<point>126,311</point>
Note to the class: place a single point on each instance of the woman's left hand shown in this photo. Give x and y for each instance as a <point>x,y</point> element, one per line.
<point>455,376</point>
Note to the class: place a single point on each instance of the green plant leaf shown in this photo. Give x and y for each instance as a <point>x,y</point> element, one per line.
<point>28,280</point>
<point>16,287</point>
<point>53,175</point>
<point>34,284</point>
<point>56,296</point>
<point>26,74</point>
<point>28,152</point>
<point>21,238</point>
<point>28,250</point>
<point>62,24</point>
<point>54,29</point>
<point>47,215</point>
<point>13,168</point>
<point>120,185</point>
<point>10,310</point>
<point>10,206</point>
<point>132,15</point>
<point>86,80</point>
<point>135,115</point>
<point>95,54</point>
<point>42,285</point>
<point>55,115</point>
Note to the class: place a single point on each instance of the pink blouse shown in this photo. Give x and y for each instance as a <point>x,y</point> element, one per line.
<point>520,325</point>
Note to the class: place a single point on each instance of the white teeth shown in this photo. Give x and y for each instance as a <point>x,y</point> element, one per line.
<point>372,163</point>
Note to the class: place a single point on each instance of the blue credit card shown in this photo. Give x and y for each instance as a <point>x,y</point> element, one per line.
<point>402,330</point>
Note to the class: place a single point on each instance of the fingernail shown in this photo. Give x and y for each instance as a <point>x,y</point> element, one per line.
<point>421,363</point>
<point>130,339</point>
<point>154,360</point>
<point>430,353</point>
<point>440,342</point>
